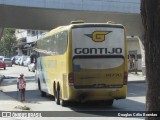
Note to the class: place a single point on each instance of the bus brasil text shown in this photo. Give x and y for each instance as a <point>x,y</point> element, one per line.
<point>97,51</point>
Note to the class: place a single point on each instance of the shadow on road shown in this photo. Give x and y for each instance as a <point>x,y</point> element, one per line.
<point>95,109</point>
<point>136,90</point>
<point>31,96</point>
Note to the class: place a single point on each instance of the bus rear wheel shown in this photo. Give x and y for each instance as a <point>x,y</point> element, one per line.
<point>63,103</point>
<point>57,97</point>
<point>109,102</point>
<point>58,100</point>
<point>43,94</point>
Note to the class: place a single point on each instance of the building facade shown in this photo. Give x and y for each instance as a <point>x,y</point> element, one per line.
<point>26,40</point>
<point>136,53</point>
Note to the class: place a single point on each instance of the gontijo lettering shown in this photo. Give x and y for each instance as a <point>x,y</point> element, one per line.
<point>98,51</point>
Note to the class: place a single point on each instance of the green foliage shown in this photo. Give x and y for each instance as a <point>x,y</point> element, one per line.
<point>8,42</point>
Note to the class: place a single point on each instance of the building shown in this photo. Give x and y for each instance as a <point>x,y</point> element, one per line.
<point>136,53</point>
<point>26,40</point>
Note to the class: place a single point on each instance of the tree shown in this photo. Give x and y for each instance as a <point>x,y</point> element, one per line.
<point>8,42</point>
<point>150,12</point>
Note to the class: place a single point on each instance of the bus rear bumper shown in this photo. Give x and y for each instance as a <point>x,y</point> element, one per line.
<point>97,94</point>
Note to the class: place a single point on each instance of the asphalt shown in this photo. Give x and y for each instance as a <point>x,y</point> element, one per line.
<point>8,103</point>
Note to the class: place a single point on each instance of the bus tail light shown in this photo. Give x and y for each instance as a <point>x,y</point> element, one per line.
<point>71,78</point>
<point>125,80</point>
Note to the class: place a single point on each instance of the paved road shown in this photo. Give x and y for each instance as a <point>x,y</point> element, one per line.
<point>135,99</point>
<point>15,71</point>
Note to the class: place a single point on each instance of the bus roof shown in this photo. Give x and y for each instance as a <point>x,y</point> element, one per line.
<point>80,25</point>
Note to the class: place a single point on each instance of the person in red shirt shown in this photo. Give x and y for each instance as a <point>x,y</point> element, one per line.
<point>21,86</point>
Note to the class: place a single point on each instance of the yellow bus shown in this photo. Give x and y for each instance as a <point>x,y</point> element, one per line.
<point>83,62</point>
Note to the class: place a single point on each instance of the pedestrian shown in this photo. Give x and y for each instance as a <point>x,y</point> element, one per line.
<point>132,62</point>
<point>21,83</point>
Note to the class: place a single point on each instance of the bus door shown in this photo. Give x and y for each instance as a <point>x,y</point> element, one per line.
<point>98,55</point>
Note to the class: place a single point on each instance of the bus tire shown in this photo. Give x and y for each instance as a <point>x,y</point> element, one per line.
<point>54,91</point>
<point>59,101</point>
<point>109,102</point>
<point>43,94</point>
<point>57,98</point>
<point>56,94</point>
<point>63,103</point>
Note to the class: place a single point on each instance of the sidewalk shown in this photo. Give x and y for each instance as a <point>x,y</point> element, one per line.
<point>10,103</point>
<point>136,78</point>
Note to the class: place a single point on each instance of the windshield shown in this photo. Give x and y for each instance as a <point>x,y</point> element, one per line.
<point>97,47</point>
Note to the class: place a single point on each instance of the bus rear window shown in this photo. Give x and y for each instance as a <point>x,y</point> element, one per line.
<point>97,63</point>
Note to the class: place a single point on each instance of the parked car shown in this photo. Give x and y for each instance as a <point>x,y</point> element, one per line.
<point>17,60</point>
<point>21,61</point>
<point>8,62</point>
<point>27,61</point>
<point>2,64</point>
<point>1,57</point>
<point>31,67</point>
<point>14,58</point>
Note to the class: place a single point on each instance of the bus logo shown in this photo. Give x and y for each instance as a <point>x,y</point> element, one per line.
<point>98,36</point>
